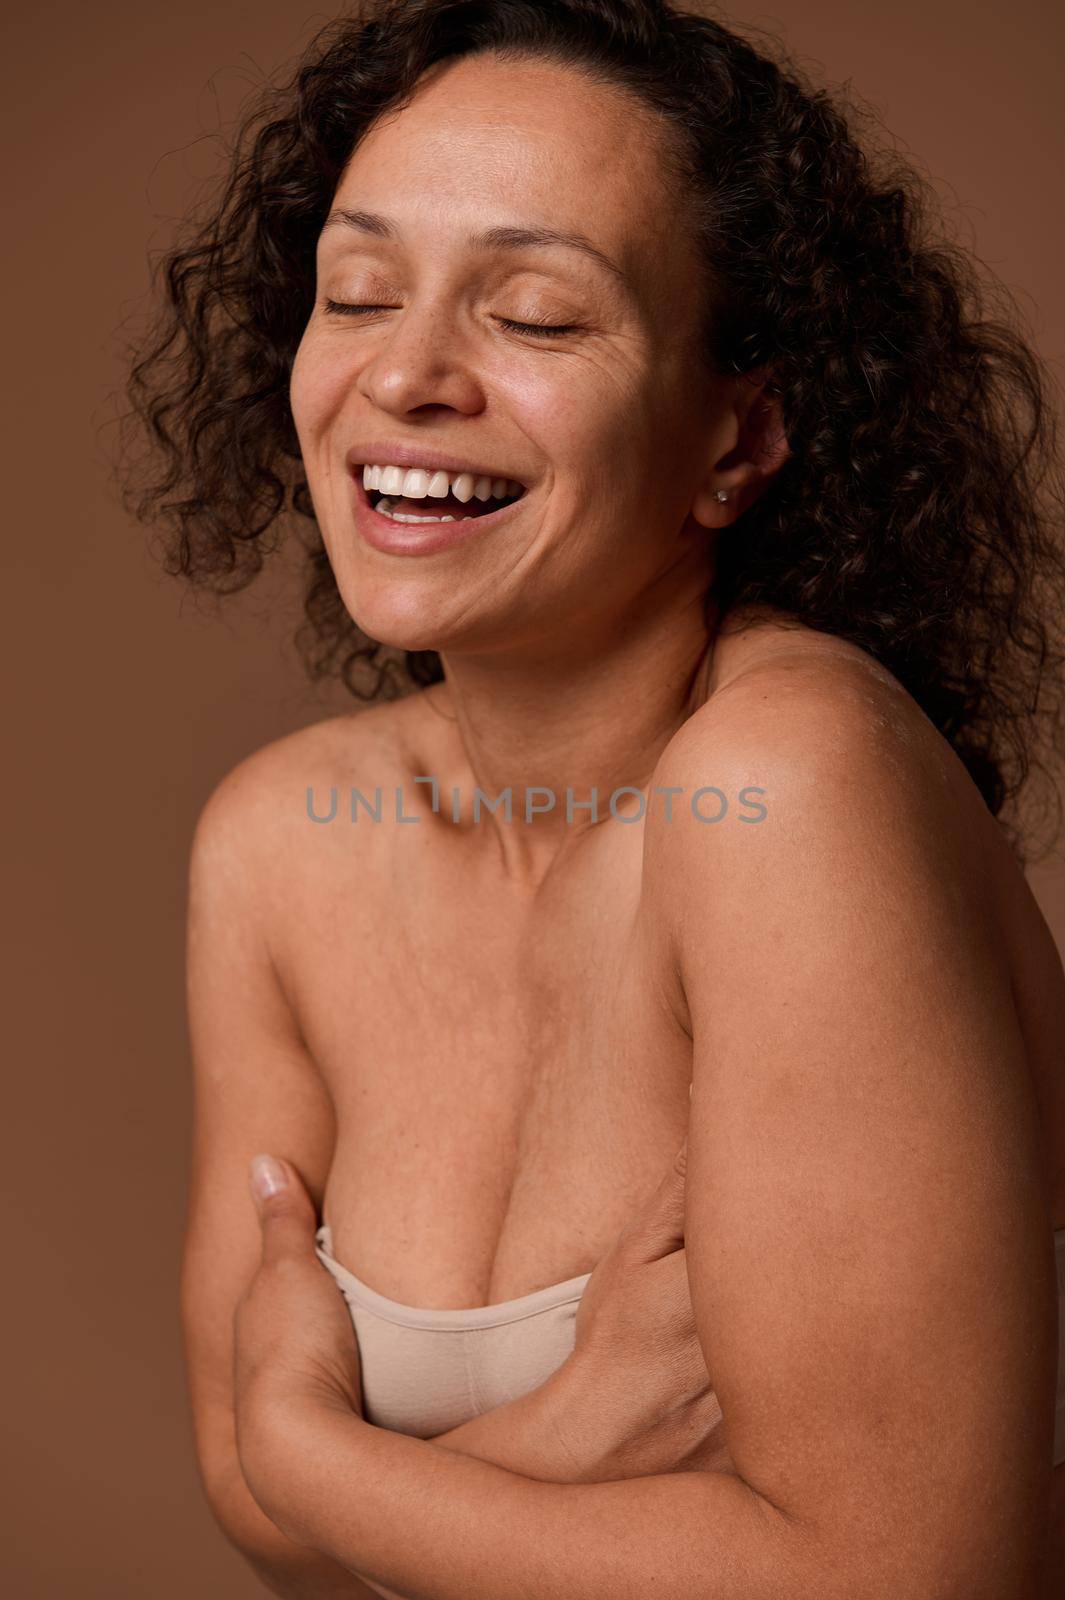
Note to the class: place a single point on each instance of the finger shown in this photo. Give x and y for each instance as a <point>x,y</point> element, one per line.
<point>286,1213</point>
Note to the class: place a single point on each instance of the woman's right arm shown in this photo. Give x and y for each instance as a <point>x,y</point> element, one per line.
<point>255,1087</point>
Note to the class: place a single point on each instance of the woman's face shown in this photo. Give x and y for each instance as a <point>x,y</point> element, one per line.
<point>611,425</point>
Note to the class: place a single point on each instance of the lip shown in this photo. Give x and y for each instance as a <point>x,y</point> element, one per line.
<point>418,538</point>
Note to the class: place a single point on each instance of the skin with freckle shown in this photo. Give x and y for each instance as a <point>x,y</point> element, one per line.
<point>477,1033</point>
<point>613,430</point>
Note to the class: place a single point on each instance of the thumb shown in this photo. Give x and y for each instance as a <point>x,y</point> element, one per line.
<point>659,1229</point>
<point>285,1210</point>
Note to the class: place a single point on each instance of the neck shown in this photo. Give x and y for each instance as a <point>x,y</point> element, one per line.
<point>594,712</point>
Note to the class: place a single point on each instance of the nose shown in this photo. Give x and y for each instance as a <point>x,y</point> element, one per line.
<point>418,359</point>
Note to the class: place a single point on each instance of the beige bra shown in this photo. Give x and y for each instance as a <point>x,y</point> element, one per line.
<point>426,1371</point>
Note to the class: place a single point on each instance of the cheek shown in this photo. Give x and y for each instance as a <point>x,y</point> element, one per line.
<point>581,412</point>
<point>318,384</point>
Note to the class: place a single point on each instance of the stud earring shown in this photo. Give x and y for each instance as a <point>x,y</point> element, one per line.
<point>721,494</point>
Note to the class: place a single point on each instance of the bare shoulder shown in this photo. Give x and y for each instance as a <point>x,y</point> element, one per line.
<point>799,691</point>
<point>801,709</point>
<point>256,813</point>
<point>813,760</point>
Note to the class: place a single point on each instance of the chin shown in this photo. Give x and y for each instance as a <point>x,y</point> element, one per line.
<point>403,615</point>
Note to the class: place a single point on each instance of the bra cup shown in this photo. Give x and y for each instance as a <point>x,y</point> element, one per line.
<point>426,1370</point>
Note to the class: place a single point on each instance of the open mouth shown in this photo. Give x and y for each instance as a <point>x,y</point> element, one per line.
<point>456,498</point>
<point>442,509</point>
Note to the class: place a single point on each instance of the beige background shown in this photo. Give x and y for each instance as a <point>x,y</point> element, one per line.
<point>127,703</point>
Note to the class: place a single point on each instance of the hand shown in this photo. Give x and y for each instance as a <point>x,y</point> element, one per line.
<point>639,1397</point>
<point>294,1345</point>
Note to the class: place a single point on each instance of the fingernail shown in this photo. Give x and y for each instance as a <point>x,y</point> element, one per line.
<point>267,1176</point>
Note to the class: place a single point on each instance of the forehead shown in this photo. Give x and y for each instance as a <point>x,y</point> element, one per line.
<point>528,142</point>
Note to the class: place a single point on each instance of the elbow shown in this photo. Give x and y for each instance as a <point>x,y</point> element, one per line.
<point>854,1571</point>
<point>237,1514</point>
<point>231,1505</point>
<point>285,1568</point>
<point>242,1522</point>
<point>844,1558</point>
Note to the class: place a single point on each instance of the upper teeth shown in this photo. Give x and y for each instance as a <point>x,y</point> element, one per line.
<point>415,483</point>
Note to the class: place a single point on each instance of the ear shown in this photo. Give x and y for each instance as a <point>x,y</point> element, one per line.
<point>760,451</point>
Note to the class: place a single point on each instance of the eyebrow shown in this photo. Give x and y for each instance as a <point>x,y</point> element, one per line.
<point>501,237</point>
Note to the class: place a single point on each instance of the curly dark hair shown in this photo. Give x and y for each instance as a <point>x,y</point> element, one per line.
<point>919,514</point>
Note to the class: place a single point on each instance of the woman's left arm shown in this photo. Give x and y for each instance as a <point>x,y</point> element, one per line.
<point>868,1250</point>
<point>412,1518</point>
<point>439,1526</point>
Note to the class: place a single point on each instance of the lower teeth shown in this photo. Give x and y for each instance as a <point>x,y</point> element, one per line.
<point>384,506</point>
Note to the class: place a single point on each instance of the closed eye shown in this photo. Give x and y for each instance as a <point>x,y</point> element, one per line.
<point>540,330</point>
<point>345,309</point>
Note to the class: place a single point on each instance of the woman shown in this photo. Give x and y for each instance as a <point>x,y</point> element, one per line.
<point>631,409</point>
